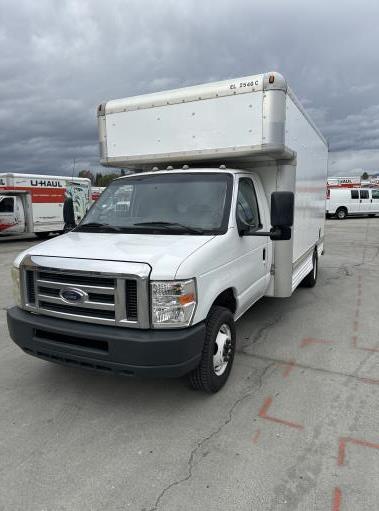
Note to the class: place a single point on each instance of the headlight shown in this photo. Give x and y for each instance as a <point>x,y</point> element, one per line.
<point>173,303</point>
<point>16,285</point>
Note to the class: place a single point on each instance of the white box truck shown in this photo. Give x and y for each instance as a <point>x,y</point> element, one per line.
<point>33,203</point>
<point>154,278</point>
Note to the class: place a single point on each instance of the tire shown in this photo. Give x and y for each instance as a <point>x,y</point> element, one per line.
<point>42,235</point>
<point>220,337</point>
<point>341,213</point>
<point>311,279</point>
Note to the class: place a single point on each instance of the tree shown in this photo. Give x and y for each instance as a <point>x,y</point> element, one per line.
<point>108,178</point>
<point>365,176</point>
<point>88,174</point>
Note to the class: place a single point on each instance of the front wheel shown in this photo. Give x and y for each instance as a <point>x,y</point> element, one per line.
<point>218,351</point>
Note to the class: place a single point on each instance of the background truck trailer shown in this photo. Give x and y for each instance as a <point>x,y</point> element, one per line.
<point>153,279</point>
<point>33,203</point>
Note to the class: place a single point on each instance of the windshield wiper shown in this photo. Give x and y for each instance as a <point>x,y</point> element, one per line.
<point>170,225</point>
<point>99,226</point>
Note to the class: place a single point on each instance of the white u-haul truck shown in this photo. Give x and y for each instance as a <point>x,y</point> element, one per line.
<point>33,203</point>
<point>228,207</point>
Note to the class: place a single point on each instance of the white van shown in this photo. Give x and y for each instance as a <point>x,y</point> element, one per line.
<point>342,202</point>
<point>153,279</point>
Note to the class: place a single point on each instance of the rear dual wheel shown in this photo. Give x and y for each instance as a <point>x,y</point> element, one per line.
<point>311,279</point>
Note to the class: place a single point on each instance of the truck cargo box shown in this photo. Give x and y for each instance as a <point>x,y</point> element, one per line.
<point>238,120</point>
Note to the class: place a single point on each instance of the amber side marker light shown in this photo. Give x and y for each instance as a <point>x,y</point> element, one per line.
<point>184,299</point>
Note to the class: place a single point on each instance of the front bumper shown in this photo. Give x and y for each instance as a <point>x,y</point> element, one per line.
<point>153,353</point>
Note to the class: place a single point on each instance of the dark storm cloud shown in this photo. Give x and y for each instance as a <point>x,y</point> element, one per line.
<point>59,59</point>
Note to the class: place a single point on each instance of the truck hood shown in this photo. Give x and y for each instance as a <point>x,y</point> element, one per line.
<point>164,253</point>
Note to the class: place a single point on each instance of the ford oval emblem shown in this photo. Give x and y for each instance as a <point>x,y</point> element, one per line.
<point>72,295</point>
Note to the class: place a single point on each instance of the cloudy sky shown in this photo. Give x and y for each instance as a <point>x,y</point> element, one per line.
<point>60,58</point>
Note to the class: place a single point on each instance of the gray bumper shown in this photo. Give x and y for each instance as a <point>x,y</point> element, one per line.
<point>153,353</point>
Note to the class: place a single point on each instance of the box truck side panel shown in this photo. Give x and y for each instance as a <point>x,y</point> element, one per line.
<point>202,125</point>
<point>43,198</point>
<point>311,175</point>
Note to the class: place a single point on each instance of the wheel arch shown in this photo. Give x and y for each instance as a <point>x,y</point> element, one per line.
<point>226,299</point>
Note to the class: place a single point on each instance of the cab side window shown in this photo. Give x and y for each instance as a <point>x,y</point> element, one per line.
<point>6,205</point>
<point>375,194</point>
<point>247,204</point>
<point>354,194</point>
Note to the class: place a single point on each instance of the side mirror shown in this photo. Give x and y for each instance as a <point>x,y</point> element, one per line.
<point>68,212</point>
<point>282,213</point>
<point>282,207</point>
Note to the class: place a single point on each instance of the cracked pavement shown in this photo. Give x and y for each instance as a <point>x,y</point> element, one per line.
<point>76,440</point>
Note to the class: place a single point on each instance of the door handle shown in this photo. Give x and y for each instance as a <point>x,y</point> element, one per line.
<point>360,200</point>
<point>264,254</point>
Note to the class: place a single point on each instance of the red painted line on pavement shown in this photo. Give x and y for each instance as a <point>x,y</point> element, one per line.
<point>309,340</point>
<point>288,366</point>
<point>337,498</point>
<point>263,415</point>
<point>342,447</point>
<point>362,348</point>
<point>372,350</point>
<point>372,381</point>
<point>256,436</point>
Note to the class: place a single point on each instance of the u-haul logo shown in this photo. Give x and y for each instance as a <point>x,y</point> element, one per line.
<point>46,182</point>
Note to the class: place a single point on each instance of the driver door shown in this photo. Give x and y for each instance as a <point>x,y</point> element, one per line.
<point>254,252</point>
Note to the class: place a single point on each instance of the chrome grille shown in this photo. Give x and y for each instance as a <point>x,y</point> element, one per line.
<point>107,299</point>
<point>30,286</point>
<point>50,286</point>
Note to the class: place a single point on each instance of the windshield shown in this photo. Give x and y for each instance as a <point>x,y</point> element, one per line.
<point>163,204</point>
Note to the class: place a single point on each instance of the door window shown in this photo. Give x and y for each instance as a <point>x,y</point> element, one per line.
<point>354,194</point>
<point>247,204</point>
<point>375,194</point>
<point>364,194</point>
<point>7,205</point>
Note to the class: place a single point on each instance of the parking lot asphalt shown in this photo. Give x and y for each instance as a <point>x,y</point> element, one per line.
<point>295,428</point>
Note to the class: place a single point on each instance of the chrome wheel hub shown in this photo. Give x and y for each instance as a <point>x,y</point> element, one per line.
<point>222,349</point>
